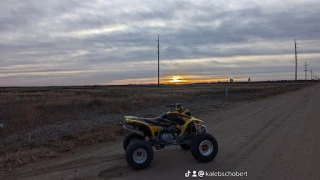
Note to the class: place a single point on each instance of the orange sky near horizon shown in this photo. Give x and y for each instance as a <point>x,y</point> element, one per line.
<point>174,79</point>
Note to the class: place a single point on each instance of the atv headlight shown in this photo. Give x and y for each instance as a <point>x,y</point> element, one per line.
<point>201,128</point>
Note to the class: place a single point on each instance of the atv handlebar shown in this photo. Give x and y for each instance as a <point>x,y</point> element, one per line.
<point>177,105</point>
<point>170,105</point>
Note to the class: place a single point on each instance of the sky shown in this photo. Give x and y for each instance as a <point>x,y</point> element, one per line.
<point>99,42</point>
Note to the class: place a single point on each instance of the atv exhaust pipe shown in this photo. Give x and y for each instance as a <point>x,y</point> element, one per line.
<point>124,127</point>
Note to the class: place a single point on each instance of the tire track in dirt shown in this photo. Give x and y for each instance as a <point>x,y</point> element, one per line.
<point>286,124</point>
<point>256,141</point>
<point>261,134</point>
<point>302,161</point>
<point>115,171</point>
<point>76,164</point>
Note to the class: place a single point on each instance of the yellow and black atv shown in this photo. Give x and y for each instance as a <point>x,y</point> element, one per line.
<point>175,127</point>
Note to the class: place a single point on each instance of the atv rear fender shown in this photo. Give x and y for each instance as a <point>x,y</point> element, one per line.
<point>141,127</point>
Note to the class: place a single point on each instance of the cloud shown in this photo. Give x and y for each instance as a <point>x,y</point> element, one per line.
<point>111,41</point>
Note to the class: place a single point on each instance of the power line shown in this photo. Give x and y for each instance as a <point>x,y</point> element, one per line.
<point>193,46</point>
<point>261,27</point>
<point>263,45</point>
<point>245,39</point>
<point>259,45</point>
<point>309,42</point>
<point>210,34</point>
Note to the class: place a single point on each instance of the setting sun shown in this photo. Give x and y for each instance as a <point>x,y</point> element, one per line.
<point>177,79</point>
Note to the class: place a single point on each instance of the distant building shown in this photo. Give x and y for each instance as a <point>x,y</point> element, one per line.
<point>231,80</point>
<point>249,80</point>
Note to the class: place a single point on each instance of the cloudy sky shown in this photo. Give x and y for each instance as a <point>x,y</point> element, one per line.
<point>72,42</point>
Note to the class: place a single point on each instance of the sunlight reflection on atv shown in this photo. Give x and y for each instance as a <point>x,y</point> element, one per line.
<point>175,127</point>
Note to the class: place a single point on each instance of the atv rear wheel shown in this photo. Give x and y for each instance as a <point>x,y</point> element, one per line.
<point>204,147</point>
<point>130,138</point>
<point>139,154</point>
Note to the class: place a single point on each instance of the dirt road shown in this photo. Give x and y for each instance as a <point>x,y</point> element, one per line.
<point>274,138</point>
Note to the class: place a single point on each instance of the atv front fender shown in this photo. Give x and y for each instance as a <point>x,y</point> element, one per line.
<point>186,124</point>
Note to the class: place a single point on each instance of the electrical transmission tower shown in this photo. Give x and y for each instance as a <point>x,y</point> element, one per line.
<point>158,62</point>
<point>311,74</point>
<point>305,69</point>
<point>295,51</point>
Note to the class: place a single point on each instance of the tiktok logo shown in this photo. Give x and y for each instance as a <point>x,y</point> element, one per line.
<point>187,174</point>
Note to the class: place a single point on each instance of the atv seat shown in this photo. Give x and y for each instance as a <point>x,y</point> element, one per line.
<point>157,121</point>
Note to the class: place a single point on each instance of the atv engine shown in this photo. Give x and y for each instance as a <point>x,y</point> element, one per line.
<point>167,137</point>
<point>168,134</point>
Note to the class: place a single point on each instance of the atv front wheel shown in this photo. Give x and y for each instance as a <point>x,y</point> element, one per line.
<point>204,147</point>
<point>130,138</point>
<point>139,154</point>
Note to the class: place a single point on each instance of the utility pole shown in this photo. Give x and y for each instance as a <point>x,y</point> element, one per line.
<point>295,50</point>
<point>305,69</point>
<point>158,63</point>
<point>313,75</point>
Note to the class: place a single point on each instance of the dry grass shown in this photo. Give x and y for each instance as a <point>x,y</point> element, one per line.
<point>27,108</point>
<point>52,148</point>
<point>68,142</point>
<point>24,109</point>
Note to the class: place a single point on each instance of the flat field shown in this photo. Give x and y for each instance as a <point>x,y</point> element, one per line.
<point>42,122</point>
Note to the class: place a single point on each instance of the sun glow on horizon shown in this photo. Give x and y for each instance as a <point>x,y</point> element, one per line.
<point>177,80</point>
<point>174,80</point>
